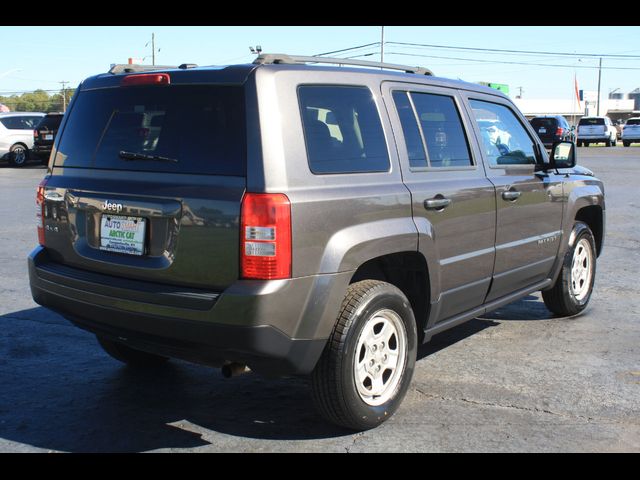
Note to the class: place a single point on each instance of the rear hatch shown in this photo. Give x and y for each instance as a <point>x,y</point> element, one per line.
<point>45,131</point>
<point>545,128</point>
<point>631,129</point>
<point>147,182</point>
<point>592,127</point>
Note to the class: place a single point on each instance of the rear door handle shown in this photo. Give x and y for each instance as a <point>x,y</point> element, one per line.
<point>511,195</point>
<point>437,203</point>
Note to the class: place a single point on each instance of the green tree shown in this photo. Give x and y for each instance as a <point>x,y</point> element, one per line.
<point>38,101</point>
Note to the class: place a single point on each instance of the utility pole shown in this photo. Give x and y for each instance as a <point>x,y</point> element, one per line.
<point>64,95</point>
<point>599,78</point>
<point>382,45</point>
<point>520,94</point>
<point>153,48</point>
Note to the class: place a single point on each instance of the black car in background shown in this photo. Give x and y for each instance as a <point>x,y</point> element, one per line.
<point>552,129</point>
<point>44,134</point>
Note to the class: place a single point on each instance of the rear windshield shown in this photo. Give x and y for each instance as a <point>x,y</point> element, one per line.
<point>591,121</point>
<point>544,122</point>
<point>50,122</point>
<point>633,121</point>
<point>179,128</point>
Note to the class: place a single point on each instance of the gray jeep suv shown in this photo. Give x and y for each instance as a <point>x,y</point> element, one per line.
<point>297,219</point>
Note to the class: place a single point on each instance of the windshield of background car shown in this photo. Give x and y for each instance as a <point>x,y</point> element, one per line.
<point>196,129</point>
<point>548,123</point>
<point>633,121</point>
<point>591,121</point>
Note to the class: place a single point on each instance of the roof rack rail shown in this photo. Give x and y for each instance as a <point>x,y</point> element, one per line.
<point>134,68</point>
<point>275,58</point>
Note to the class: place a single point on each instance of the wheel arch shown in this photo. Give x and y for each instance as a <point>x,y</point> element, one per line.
<point>409,272</point>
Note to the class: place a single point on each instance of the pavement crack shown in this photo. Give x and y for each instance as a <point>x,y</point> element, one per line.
<point>356,437</point>
<point>499,405</point>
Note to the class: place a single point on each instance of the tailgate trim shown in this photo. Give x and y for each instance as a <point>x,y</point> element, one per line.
<point>127,289</point>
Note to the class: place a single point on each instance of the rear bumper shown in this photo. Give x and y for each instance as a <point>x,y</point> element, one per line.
<point>41,150</point>
<point>594,139</point>
<point>276,328</point>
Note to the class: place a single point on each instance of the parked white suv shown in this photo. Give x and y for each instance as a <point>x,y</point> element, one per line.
<point>16,135</point>
<point>597,130</point>
<point>631,131</point>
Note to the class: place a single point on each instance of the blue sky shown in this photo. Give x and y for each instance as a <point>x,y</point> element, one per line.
<point>40,57</point>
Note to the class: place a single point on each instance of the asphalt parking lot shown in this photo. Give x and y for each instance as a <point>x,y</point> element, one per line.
<point>515,380</point>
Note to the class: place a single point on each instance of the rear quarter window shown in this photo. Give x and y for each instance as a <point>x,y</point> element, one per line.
<point>633,121</point>
<point>342,130</point>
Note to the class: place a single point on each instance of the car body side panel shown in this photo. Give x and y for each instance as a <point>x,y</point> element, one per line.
<point>339,221</point>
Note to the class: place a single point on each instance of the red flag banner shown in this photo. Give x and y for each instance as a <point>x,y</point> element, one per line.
<point>575,81</point>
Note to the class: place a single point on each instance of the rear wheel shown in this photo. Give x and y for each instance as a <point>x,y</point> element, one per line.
<point>572,290</point>
<point>130,356</point>
<point>626,144</point>
<point>367,365</point>
<point>18,155</point>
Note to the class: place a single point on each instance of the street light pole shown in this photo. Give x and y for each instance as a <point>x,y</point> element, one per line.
<point>64,96</point>
<point>599,78</point>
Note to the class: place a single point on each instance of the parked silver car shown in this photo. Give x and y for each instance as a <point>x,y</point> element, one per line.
<point>16,135</point>
<point>631,131</point>
<point>597,130</point>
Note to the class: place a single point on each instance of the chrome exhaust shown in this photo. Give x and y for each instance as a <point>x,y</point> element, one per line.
<point>234,369</point>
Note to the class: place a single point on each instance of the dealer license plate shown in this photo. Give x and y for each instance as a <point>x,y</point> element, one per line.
<point>122,234</point>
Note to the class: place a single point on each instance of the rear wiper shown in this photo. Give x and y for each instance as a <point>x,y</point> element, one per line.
<point>141,156</point>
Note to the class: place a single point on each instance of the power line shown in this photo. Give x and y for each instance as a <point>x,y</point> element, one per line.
<point>526,52</point>
<point>477,60</point>
<point>346,49</point>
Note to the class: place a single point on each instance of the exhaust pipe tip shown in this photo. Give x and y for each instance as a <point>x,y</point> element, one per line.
<point>234,369</point>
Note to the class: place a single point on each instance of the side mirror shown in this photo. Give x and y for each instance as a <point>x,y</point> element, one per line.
<point>563,155</point>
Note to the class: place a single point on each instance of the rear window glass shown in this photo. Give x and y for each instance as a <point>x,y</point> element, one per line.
<point>544,123</point>
<point>633,121</point>
<point>342,130</point>
<point>50,122</point>
<point>591,121</point>
<point>178,128</point>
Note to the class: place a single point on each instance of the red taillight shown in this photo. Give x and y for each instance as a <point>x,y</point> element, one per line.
<point>40,210</point>
<point>146,79</point>
<point>559,131</point>
<point>265,236</point>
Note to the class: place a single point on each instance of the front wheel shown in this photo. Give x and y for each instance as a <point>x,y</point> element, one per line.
<point>18,155</point>
<point>367,365</point>
<point>572,290</point>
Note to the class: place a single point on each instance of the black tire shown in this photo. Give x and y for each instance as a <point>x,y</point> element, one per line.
<point>614,142</point>
<point>18,155</point>
<point>586,144</point>
<point>626,144</point>
<point>130,356</point>
<point>580,144</point>
<point>333,381</point>
<point>560,299</point>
